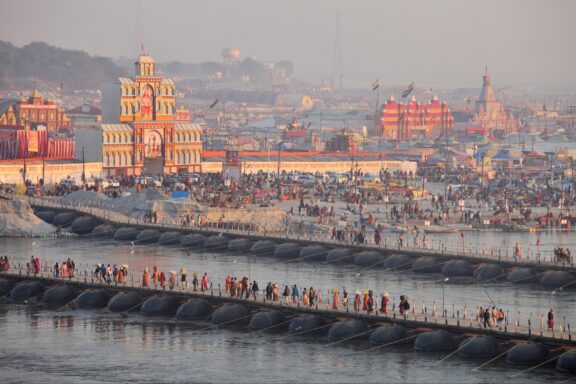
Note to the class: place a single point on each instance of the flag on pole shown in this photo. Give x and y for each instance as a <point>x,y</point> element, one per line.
<point>375,84</point>
<point>408,90</point>
<point>214,103</point>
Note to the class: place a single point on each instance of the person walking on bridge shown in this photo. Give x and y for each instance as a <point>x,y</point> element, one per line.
<point>72,268</point>
<point>146,278</point>
<point>487,318</point>
<point>63,270</point>
<point>204,286</point>
<point>370,303</point>
<point>227,284</point>
<point>120,277</point>
<point>172,280</point>
<point>195,282</point>
<point>312,296</point>
<point>357,302</point>
<point>36,266</point>
<point>184,277</point>
<point>551,321</point>
<point>286,294</point>
<point>275,291</point>
<point>295,294</point>
<point>384,303</point>
<point>335,299</point>
<point>155,275</point>
<point>254,289</point>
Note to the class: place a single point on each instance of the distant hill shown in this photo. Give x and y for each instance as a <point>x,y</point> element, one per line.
<point>52,66</point>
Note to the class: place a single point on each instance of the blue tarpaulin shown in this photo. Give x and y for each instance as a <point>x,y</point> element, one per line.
<point>180,194</point>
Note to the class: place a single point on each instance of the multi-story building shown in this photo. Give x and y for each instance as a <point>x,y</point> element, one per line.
<point>28,129</point>
<point>142,132</point>
<point>414,120</point>
<point>34,111</point>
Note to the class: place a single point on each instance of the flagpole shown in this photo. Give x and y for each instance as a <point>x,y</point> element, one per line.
<point>376,87</point>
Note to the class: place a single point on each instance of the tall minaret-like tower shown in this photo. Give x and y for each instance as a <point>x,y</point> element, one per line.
<point>487,102</point>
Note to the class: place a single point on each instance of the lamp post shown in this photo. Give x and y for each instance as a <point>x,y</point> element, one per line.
<point>278,171</point>
<point>443,295</point>
<point>25,153</point>
<point>83,167</point>
<point>482,174</point>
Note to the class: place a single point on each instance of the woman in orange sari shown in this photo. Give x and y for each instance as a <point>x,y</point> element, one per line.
<point>120,277</point>
<point>146,278</point>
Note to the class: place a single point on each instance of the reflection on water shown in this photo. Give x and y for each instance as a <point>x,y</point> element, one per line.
<point>46,346</point>
<point>68,347</point>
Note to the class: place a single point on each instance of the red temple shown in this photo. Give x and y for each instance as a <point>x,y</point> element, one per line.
<point>414,120</point>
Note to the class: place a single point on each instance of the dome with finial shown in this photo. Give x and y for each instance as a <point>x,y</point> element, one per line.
<point>36,94</point>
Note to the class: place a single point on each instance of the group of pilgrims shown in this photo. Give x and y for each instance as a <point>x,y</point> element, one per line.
<point>158,278</point>
<point>364,301</point>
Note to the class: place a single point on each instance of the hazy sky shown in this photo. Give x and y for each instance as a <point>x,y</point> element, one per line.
<point>432,42</point>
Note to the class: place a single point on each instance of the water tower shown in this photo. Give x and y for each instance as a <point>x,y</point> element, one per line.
<point>231,56</point>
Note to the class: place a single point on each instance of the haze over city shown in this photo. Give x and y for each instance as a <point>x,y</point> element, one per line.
<point>303,191</point>
<point>444,43</point>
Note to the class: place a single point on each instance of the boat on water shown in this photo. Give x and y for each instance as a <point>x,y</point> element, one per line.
<point>439,229</point>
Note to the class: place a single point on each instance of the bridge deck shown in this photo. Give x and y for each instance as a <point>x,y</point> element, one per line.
<point>458,323</point>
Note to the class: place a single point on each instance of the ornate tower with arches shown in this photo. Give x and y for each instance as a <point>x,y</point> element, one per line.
<point>153,139</point>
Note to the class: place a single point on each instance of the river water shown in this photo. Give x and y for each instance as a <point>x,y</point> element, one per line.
<point>39,345</point>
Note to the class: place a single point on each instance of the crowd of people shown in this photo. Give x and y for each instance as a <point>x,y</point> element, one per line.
<point>156,278</point>
<point>65,269</point>
<point>116,274</point>
<point>491,318</point>
<point>33,266</point>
